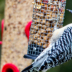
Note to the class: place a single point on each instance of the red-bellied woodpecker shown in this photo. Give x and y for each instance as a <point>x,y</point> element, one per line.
<point>58,52</point>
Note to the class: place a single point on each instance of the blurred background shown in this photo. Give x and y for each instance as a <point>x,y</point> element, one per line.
<point>2,5</point>
<point>67,67</point>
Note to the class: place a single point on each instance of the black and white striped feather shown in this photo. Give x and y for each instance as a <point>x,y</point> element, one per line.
<point>58,52</point>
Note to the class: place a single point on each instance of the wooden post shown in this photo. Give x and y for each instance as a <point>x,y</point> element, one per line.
<point>15,43</point>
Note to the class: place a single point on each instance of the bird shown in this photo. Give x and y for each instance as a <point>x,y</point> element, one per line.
<point>58,52</point>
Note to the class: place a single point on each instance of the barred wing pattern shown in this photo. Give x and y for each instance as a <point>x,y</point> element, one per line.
<point>57,53</point>
<point>60,52</point>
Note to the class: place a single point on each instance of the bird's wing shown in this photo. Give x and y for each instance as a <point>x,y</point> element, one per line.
<point>59,52</point>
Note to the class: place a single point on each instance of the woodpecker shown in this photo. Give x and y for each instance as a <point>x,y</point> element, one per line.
<point>58,52</point>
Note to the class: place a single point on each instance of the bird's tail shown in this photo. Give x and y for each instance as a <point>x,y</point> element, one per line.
<point>29,69</point>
